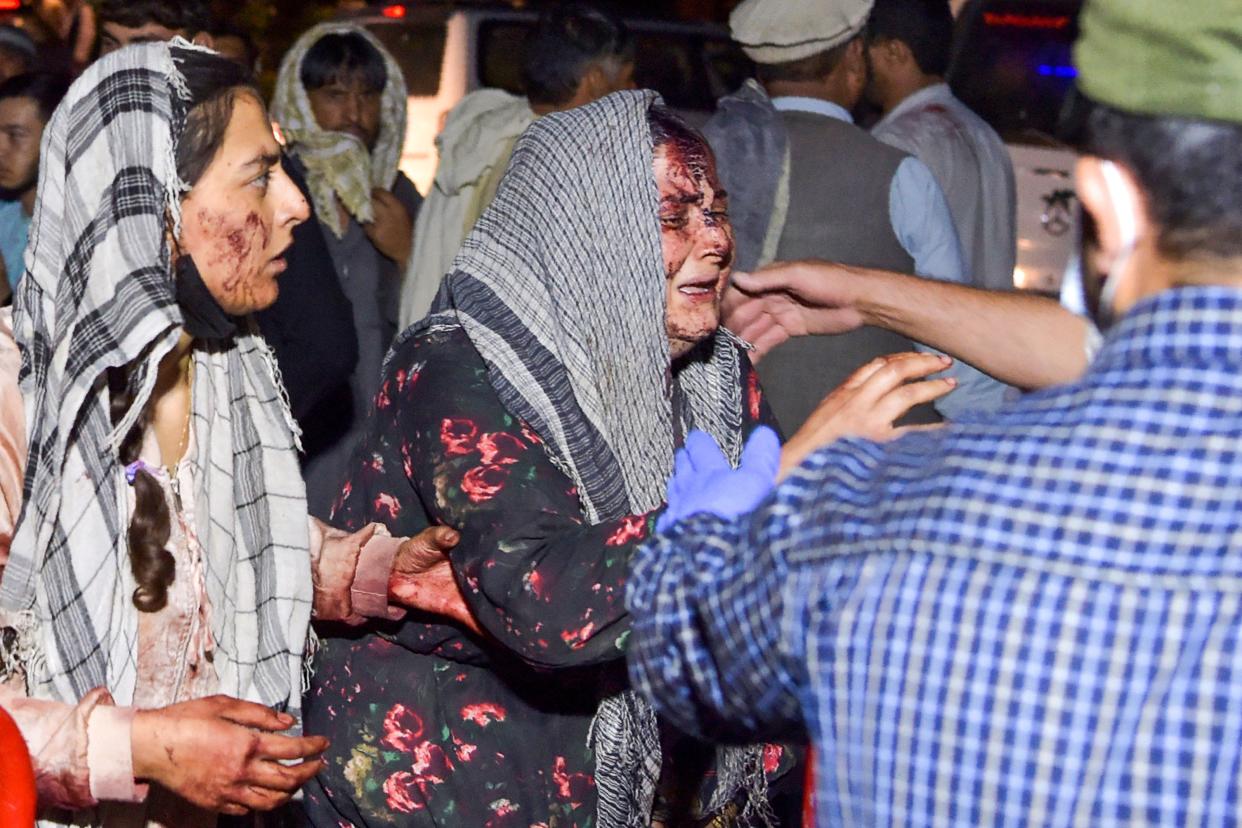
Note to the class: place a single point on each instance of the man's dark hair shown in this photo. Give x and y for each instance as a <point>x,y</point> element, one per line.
<point>189,16</point>
<point>339,57</point>
<point>566,42</point>
<point>17,44</point>
<point>925,26</point>
<point>812,68</point>
<point>1190,171</point>
<point>221,29</point>
<point>44,88</point>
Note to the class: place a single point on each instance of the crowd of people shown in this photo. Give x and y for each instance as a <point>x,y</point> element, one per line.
<point>636,475</point>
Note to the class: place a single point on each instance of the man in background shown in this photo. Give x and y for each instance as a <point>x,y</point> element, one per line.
<point>124,22</point>
<point>908,45</point>
<point>576,54</point>
<point>17,52</point>
<point>805,182</point>
<point>341,103</point>
<point>26,104</point>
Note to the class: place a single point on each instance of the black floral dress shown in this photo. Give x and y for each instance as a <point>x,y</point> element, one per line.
<point>433,726</point>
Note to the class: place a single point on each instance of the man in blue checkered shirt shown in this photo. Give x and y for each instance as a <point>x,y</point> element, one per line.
<point>1030,618</point>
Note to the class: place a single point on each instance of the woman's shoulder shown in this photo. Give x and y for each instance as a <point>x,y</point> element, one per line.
<point>441,361</point>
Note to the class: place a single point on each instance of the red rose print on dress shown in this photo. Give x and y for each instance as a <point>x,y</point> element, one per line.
<point>458,436</point>
<point>483,714</point>
<point>482,483</point>
<point>573,787</point>
<point>387,507</point>
<point>631,528</point>
<point>577,639</point>
<point>431,763</point>
<point>772,757</point>
<point>401,790</point>
<point>530,435</point>
<point>500,448</point>
<point>403,728</point>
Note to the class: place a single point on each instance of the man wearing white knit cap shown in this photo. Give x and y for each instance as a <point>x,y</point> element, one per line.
<point>805,183</point>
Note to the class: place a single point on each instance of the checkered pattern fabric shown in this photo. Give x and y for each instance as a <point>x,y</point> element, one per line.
<point>1026,619</point>
<point>98,293</point>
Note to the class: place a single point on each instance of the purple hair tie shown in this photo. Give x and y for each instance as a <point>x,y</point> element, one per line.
<point>131,471</point>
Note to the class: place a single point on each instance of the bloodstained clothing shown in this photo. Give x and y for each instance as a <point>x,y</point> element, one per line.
<point>431,726</point>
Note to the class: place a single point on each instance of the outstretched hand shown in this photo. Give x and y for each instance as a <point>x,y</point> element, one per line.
<point>422,577</point>
<point>703,480</point>
<point>224,754</point>
<point>868,403</point>
<point>790,299</point>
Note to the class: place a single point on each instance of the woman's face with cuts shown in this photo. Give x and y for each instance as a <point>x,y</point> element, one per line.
<point>238,220</point>
<point>697,240</point>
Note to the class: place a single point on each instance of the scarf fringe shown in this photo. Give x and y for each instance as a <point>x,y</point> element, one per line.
<point>21,648</point>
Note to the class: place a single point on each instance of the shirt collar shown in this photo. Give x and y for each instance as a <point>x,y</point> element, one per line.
<point>936,93</point>
<point>815,106</point>
<point>1199,325</point>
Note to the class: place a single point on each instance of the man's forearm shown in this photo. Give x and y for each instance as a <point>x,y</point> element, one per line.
<point>1021,339</point>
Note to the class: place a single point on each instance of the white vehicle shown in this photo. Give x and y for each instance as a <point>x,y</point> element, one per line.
<point>1012,65</point>
<point>447,50</point>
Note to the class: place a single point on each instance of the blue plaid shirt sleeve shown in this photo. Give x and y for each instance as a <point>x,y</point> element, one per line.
<point>720,620</point>
<point>707,645</point>
<point>1029,618</point>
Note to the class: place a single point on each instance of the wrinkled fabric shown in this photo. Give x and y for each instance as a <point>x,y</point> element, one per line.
<point>99,294</point>
<point>475,146</point>
<point>750,142</point>
<point>575,220</point>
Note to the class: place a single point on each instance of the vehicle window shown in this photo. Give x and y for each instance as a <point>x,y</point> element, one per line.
<point>418,49</point>
<point>690,72</point>
<point>1014,65</point>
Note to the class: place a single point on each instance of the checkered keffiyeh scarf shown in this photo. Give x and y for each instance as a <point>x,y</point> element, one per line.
<point>561,288</point>
<point>98,293</point>
<point>339,166</point>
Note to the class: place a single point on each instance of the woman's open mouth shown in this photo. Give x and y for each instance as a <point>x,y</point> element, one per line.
<point>701,288</point>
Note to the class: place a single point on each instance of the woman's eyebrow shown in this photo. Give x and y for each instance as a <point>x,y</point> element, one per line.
<point>267,160</point>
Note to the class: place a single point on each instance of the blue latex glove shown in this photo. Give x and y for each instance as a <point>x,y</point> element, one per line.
<point>703,480</point>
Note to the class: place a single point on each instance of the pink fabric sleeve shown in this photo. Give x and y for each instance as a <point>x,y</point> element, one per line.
<point>81,752</point>
<point>369,593</point>
<point>12,436</point>
<point>368,587</point>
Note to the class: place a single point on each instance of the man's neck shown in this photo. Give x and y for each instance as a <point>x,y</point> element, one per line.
<point>905,87</point>
<point>28,201</point>
<point>823,91</point>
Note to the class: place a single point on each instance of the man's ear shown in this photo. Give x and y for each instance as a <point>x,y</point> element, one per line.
<point>897,51</point>
<point>1110,205</point>
<point>204,39</point>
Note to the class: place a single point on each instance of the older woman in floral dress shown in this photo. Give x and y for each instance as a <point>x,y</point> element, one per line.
<point>574,344</point>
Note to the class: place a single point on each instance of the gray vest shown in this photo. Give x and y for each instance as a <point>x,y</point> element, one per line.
<point>839,184</point>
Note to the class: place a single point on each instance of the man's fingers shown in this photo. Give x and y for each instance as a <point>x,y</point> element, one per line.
<point>436,539</point>
<point>764,280</point>
<point>277,777</point>
<point>249,714</point>
<point>257,799</point>
<point>765,341</point>
<point>898,369</point>
<point>899,401</point>
<point>274,746</point>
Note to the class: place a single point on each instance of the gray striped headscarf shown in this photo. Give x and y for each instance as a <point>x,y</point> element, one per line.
<point>561,289</point>
<point>98,294</point>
